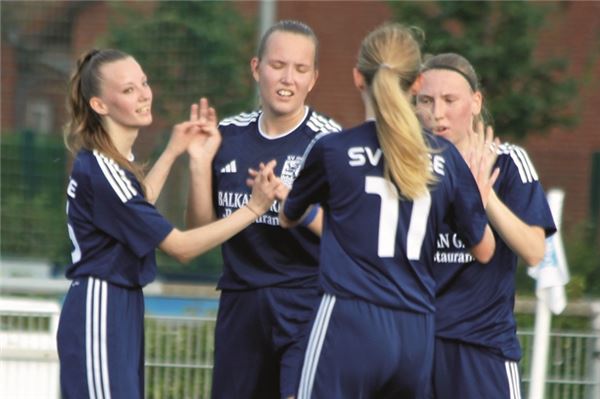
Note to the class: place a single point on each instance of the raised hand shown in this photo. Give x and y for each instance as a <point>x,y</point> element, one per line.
<point>480,154</point>
<point>207,142</point>
<point>181,136</point>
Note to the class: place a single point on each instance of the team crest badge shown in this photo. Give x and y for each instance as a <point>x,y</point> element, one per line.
<point>290,169</point>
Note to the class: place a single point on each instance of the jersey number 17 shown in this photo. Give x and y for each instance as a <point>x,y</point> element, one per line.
<point>388,218</point>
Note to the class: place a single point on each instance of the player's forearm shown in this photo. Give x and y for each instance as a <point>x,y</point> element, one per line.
<point>316,226</point>
<point>284,221</point>
<point>156,178</point>
<point>200,210</point>
<point>528,242</point>
<point>186,245</point>
<point>484,249</point>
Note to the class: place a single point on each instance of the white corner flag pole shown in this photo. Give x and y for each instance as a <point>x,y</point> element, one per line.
<point>551,275</point>
<point>541,346</point>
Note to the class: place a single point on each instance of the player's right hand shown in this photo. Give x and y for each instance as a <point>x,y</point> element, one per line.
<point>205,144</point>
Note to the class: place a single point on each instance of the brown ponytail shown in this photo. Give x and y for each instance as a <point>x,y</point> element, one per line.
<point>85,128</point>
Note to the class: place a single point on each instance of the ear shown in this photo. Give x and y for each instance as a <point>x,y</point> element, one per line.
<point>416,86</point>
<point>359,79</point>
<point>477,103</point>
<point>98,106</point>
<point>254,67</point>
<point>314,80</point>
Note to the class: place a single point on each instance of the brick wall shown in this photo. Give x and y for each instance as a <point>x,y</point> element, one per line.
<point>563,156</point>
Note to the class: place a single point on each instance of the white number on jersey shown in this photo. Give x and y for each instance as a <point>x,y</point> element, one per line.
<point>388,218</point>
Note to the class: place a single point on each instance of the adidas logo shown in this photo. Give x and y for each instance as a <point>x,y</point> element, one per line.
<point>231,167</point>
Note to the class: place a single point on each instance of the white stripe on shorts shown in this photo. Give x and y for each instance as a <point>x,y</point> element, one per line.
<point>512,374</point>
<point>88,338</point>
<point>95,339</point>
<point>315,344</point>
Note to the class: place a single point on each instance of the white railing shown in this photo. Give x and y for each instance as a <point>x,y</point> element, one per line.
<point>179,354</point>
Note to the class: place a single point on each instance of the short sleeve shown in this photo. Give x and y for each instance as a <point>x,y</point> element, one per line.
<point>468,213</point>
<point>122,212</point>
<point>521,191</point>
<point>311,185</point>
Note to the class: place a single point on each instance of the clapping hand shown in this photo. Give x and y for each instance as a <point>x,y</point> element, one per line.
<point>282,190</point>
<point>264,185</point>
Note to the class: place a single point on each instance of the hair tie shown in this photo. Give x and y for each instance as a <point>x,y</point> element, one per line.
<point>386,66</point>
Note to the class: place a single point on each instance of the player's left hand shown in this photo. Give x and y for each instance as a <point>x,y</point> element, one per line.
<point>481,154</point>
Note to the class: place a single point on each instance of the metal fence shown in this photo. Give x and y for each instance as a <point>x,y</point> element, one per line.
<point>179,358</point>
<point>28,359</point>
<point>572,365</point>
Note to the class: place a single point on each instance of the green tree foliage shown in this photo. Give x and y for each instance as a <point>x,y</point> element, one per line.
<point>32,214</point>
<point>523,92</point>
<point>189,49</point>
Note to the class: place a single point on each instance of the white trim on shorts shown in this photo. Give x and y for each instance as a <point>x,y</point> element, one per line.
<point>315,344</point>
<point>95,339</point>
<point>512,374</point>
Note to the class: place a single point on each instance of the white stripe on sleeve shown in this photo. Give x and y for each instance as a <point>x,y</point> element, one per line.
<point>109,177</point>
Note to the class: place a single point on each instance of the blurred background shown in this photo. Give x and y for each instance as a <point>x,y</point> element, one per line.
<point>539,65</point>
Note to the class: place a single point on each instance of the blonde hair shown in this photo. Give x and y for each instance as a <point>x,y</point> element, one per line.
<point>85,128</point>
<point>390,60</point>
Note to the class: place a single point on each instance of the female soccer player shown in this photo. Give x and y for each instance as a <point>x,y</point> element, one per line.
<point>115,228</point>
<point>269,282</point>
<point>476,336</point>
<point>385,188</point>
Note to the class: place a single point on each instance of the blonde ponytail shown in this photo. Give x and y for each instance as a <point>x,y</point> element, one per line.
<point>389,60</point>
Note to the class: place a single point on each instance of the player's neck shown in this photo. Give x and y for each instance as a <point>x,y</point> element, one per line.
<point>272,124</point>
<point>369,111</point>
<point>123,139</point>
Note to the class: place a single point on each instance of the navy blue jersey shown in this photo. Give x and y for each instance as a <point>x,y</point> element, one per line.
<point>475,302</point>
<point>114,230</point>
<point>264,254</point>
<point>374,246</point>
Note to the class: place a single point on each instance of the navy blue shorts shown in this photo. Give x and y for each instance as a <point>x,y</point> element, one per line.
<point>360,350</point>
<point>473,372</point>
<point>101,341</point>
<point>258,342</point>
